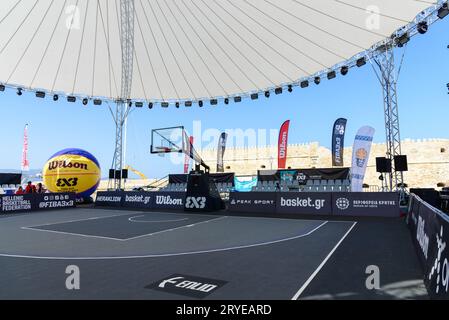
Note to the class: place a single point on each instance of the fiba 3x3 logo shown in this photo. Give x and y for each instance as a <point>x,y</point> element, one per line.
<point>69,182</point>
<point>195,202</point>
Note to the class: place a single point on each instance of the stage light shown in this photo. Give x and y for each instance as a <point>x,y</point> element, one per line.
<point>200,103</point>
<point>55,97</point>
<point>40,94</point>
<point>2,87</point>
<point>423,27</point>
<point>150,105</point>
<point>97,102</point>
<point>85,101</point>
<point>188,104</point>
<point>71,99</point>
<point>254,96</point>
<point>19,91</point>
<point>278,90</point>
<point>164,104</point>
<point>317,80</point>
<point>344,70</point>
<point>361,62</point>
<point>304,84</point>
<point>290,88</point>
<point>267,94</point>
<point>226,100</point>
<point>213,102</point>
<point>177,105</point>
<point>331,75</point>
<point>237,99</point>
<point>443,11</point>
<point>139,104</point>
<point>130,104</point>
<point>402,40</point>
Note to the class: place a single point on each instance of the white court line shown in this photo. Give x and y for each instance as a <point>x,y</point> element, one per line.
<point>169,254</point>
<point>306,284</point>
<point>117,239</point>
<point>154,221</point>
<point>71,234</point>
<point>78,220</point>
<point>173,229</point>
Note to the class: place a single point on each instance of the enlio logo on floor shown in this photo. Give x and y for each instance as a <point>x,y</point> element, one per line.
<point>190,286</point>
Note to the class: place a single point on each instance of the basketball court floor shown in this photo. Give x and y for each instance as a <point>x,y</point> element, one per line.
<point>148,255</point>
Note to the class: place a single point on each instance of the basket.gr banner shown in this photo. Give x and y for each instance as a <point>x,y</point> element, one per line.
<point>360,156</point>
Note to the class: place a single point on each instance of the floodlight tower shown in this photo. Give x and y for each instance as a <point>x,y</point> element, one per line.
<point>388,80</point>
<point>122,104</point>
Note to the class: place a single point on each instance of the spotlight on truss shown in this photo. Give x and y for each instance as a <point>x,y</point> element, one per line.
<point>200,103</point>
<point>423,27</point>
<point>188,104</point>
<point>402,40</point>
<point>237,99</point>
<point>267,94</point>
<point>443,11</point>
<point>226,101</point>
<point>19,91</point>
<point>304,84</point>
<point>85,101</point>
<point>97,102</point>
<point>361,62</point>
<point>290,88</point>
<point>71,99</point>
<point>164,104</point>
<point>2,87</point>
<point>55,97</point>
<point>331,75</point>
<point>344,70</point>
<point>317,80</point>
<point>254,96</point>
<point>139,104</point>
<point>40,94</point>
<point>150,105</point>
<point>213,102</point>
<point>278,90</point>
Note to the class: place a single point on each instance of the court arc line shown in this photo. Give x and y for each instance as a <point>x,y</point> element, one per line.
<point>318,269</point>
<point>154,221</point>
<point>169,254</point>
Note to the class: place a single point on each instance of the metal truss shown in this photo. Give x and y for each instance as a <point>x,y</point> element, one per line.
<point>122,109</point>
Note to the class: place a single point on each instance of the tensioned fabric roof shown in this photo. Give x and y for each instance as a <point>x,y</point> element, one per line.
<point>188,49</point>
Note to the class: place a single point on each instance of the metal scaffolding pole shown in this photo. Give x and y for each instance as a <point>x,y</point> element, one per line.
<point>122,108</point>
<point>388,80</point>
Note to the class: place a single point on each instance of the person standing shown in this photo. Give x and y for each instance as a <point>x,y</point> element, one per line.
<point>29,188</point>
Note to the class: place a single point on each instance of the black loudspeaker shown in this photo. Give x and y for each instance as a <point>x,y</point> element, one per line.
<point>400,163</point>
<point>125,173</point>
<point>111,173</point>
<point>118,174</point>
<point>383,165</point>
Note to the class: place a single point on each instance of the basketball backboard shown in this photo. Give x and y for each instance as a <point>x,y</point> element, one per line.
<point>167,140</point>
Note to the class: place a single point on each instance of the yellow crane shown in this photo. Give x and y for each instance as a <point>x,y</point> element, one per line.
<point>140,174</point>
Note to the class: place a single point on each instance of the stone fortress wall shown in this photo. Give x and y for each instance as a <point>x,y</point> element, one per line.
<point>428,160</point>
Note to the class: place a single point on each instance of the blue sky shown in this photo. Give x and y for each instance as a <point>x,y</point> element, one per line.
<point>423,103</point>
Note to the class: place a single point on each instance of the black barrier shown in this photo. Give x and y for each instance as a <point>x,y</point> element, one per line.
<point>141,200</point>
<point>380,204</point>
<point>33,202</point>
<point>304,203</point>
<point>252,202</point>
<point>366,204</point>
<point>430,227</point>
<point>109,199</point>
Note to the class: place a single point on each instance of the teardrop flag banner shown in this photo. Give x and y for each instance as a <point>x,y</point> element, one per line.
<point>360,156</point>
<point>338,142</point>
<point>283,145</point>
<point>25,161</point>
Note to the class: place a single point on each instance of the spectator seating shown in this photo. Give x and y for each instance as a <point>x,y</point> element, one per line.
<point>310,186</point>
<point>182,187</point>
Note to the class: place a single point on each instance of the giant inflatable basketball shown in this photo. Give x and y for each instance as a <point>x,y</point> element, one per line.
<point>72,170</point>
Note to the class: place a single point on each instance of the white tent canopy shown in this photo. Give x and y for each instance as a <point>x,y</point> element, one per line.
<point>188,49</point>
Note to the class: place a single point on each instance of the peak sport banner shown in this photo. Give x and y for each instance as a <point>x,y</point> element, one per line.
<point>360,157</point>
<point>283,145</point>
<point>338,142</point>
<point>221,150</point>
